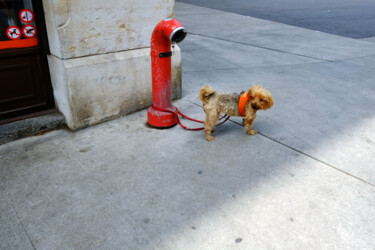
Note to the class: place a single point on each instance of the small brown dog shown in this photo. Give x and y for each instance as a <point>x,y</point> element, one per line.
<point>233,104</point>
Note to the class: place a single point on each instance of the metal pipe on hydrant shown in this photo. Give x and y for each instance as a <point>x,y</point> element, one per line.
<point>165,33</point>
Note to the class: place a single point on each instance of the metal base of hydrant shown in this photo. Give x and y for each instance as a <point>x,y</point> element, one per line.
<point>161,119</point>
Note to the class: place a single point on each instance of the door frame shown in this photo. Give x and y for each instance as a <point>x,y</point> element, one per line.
<point>42,50</point>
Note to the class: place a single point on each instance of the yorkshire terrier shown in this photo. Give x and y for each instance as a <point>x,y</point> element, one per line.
<point>245,104</point>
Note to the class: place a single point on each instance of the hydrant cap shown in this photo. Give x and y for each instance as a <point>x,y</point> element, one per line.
<point>177,35</point>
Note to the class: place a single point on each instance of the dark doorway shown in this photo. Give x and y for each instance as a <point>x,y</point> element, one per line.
<point>25,85</point>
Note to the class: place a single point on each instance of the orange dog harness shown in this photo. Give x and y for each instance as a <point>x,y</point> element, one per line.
<point>241,103</point>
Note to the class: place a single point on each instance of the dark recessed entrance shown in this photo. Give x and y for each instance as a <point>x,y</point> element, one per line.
<point>25,85</point>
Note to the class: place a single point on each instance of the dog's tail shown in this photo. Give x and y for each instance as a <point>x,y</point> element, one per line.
<point>205,93</point>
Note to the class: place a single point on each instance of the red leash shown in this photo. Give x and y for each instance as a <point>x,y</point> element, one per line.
<point>191,119</point>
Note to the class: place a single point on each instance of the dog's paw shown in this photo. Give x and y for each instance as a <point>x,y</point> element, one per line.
<point>252,132</point>
<point>209,138</point>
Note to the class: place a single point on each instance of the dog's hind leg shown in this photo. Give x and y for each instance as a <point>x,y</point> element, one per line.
<point>211,120</point>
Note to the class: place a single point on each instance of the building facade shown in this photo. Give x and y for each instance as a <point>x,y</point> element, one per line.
<point>89,59</point>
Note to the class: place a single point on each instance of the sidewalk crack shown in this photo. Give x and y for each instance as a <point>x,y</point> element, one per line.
<point>261,47</point>
<point>317,159</point>
<point>24,228</point>
<point>303,153</point>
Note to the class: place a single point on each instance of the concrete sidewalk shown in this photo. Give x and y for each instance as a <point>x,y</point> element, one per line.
<point>306,181</point>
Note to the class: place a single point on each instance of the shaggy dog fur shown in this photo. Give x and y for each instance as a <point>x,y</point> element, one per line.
<point>216,103</point>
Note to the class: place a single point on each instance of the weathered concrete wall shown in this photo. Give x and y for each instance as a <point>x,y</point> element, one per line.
<point>102,87</point>
<point>100,59</point>
<point>89,27</point>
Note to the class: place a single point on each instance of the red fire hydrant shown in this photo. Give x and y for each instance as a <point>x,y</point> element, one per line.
<point>166,32</point>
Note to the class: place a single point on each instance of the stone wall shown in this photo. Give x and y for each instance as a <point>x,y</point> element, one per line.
<point>100,59</point>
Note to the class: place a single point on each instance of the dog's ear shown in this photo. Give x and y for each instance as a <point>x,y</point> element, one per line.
<point>268,99</point>
<point>250,93</point>
<point>271,101</point>
<point>253,90</point>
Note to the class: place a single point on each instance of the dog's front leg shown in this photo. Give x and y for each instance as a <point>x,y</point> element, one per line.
<point>248,123</point>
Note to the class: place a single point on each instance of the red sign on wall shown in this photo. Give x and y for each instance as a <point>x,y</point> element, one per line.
<point>29,31</point>
<point>22,33</point>
<point>26,16</point>
<point>13,32</point>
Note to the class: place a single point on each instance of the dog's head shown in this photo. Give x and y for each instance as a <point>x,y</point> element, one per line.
<point>260,98</point>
